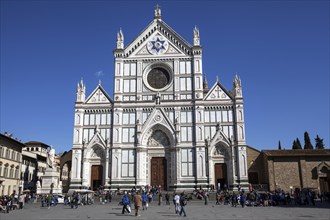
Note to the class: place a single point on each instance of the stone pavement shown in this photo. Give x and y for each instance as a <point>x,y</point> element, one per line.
<point>195,210</point>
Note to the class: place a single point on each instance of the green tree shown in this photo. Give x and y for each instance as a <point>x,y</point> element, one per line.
<point>319,143</point>
<point>279,145</point>
<point>298,144</point>
<point>308,144</point>
<point>294,145</point>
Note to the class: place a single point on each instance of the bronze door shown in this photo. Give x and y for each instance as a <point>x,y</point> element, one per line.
<point>158,172</point>
<point>220,176</point>
<point>96,176</point>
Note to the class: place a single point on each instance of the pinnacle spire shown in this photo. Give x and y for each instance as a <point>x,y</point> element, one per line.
<point>120,39</point>
<point>205,85</point>
<point>196,38</point>
<point>158,12</point>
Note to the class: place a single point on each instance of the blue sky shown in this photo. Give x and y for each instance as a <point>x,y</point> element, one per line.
<point>280,49</point>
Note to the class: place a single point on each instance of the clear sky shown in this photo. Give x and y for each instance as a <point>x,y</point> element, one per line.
<point>280,49</point>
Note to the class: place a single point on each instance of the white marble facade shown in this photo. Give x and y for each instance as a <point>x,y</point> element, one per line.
<point>161,108</point>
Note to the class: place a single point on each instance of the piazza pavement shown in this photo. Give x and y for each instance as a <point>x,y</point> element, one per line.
<point>195,210</point>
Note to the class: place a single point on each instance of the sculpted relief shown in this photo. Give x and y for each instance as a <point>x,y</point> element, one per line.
<point>158,139</point>
<point>220,151</point>
<point>97,152</point>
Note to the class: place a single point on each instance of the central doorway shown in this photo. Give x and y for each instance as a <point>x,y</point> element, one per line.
<point>220,176</point>
<point>96,177</point>
<point>158,172</point>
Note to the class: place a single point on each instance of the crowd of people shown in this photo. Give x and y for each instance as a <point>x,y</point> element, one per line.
<point>12,202</point>
<point>149,195</point>
<point>142,197</point>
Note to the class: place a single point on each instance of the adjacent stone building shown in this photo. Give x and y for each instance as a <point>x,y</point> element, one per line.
<point>290,169</point>
<point>65,167</point>
<point>163,126</point>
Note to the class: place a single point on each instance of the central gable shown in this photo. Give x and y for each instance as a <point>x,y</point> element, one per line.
<point>158,37</point>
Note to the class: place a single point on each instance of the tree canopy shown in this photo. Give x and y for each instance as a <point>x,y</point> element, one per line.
<point>319,143</point>
<point>308,144</point>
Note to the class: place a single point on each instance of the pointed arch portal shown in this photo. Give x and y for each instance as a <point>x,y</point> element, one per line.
<point>159,142</point>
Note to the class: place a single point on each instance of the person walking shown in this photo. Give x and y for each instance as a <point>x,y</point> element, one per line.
<point>234,200</point>
<point>137,203</point>
<point>243,199</point>
<point>206,198</point>
<point>177,203</point>
<point>125,202</point>
<point>49,200</point>
<point>160,198</point>
<point>183,203</point>
<point>167,198</point>
<point>144,201</point>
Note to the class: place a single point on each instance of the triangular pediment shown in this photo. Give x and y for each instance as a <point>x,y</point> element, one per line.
<point>148,48</point>
<point>157,120</point>
<point>99,95</point>
<point>157,116</point>
<point>219,136</point>
<point>168,43</point>
<point>96,140</point>
<point>218,92</point>
<point>96,147</point>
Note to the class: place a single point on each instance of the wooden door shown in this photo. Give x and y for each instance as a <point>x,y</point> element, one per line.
<point>158,172</point>
<point>324,184</point>
<point>220,175</point>
<point>96,176</point>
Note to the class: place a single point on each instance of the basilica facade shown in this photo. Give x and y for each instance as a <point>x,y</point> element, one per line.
<point>163,126</point>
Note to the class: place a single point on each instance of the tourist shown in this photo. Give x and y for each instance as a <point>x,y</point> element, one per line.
<point>234,200</point>
<point>137,203</point>
<point>183,203</point>
<point>167,198</point>
<point>125,202</point>
<point>49,200</point>
<point>265,199</point>
<point>160,198</point>
<point>206,198</point>
<point>144,201</point>
<point>177,203</point>
<point>218,198</point>
<point>243,199</point>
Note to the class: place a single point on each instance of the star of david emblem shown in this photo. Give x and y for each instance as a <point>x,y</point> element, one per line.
<point>158,45</point>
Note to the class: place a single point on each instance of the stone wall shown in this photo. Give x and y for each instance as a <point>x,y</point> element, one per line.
<point>287,169</point>
<point>286,173</point>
